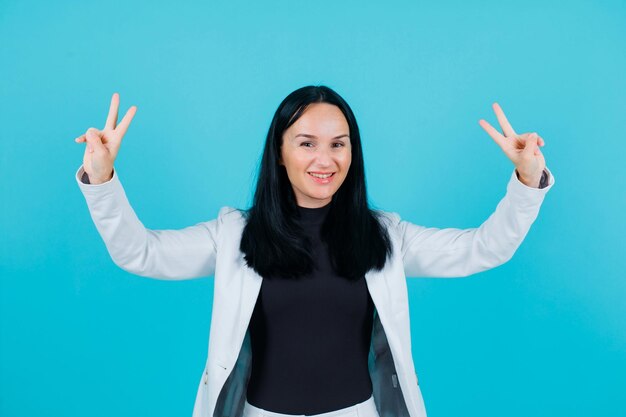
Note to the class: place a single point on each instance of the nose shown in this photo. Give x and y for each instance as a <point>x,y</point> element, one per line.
<point>323,158</point>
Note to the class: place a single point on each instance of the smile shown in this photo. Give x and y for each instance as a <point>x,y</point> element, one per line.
<point>322,178</point>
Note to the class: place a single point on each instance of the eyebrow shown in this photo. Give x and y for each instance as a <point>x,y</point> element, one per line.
<point>306,135</point>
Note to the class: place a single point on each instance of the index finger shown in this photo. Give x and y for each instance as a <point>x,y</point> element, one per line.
<point>507,129</point>
<point>112,117</point>
<point>495,135</point>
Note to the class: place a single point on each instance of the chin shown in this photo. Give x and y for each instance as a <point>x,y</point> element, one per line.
<point>320,197</point>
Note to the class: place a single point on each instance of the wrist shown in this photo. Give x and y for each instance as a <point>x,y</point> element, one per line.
<point>96,181</point>
<point>529,182</point>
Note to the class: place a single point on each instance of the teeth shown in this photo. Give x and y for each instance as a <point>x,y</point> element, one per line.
<point>320,175</point>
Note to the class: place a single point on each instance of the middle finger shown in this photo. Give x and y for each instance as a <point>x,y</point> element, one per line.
<point>113,109</point>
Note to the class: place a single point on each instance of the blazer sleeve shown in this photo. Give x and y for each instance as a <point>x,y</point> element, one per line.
<point>451,252</point>
<point>163,254</point>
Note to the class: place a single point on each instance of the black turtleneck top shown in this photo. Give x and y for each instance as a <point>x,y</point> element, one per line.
<point>310,337</point>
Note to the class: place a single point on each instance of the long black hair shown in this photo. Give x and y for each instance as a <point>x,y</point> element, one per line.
<point>273,241</point>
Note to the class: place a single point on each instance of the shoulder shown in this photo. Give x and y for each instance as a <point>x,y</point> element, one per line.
<point>231,216</point>
<point>389,219</point>
<point>228,211</point>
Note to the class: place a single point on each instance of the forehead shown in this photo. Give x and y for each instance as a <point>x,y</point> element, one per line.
<point>321,118</point>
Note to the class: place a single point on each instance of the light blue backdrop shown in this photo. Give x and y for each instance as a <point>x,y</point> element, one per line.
<point>542,335</point>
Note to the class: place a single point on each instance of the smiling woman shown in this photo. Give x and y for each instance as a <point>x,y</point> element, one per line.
<point>309,280</point>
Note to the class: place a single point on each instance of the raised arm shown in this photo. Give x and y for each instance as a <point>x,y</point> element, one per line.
<point>452,252</point>
<point>166,254</point>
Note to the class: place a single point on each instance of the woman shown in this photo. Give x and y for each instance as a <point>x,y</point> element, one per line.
<point>309,281</point>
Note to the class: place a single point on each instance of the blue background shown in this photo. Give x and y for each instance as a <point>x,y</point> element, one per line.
<point>542,335</point>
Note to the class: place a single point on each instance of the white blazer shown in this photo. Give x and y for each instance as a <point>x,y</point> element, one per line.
<point>211,248</point>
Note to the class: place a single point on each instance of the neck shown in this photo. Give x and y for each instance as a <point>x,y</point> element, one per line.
<point>315,215</point>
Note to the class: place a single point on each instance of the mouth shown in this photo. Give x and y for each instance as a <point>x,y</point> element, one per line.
<point>321,174</point>
<point>321,177</point>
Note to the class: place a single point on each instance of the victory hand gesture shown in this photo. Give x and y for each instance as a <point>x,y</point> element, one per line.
<point>523,149</point>
<point>103,145</point>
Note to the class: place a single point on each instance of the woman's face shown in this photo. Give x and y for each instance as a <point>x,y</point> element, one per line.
<point>316,145</point>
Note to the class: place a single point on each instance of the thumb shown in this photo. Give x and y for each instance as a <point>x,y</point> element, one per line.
<point>94,143</point>
<point>531,144</point>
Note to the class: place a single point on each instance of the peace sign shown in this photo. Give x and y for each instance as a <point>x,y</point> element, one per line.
<point>523,149</point>
<point>103,145</point>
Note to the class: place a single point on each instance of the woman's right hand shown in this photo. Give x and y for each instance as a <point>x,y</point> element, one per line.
<point>103,145</point>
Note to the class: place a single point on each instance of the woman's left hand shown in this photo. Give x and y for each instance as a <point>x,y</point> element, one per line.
<point>523,149</point>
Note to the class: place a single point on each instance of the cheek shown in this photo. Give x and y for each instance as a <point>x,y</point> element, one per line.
<point>346,161</point>
<point>295,162</point>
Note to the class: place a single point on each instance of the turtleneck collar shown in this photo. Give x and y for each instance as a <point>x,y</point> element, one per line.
<point>313,216</point>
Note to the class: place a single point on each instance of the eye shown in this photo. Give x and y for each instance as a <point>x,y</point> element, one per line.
<point>339,143</point>
<point>305,144</point>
